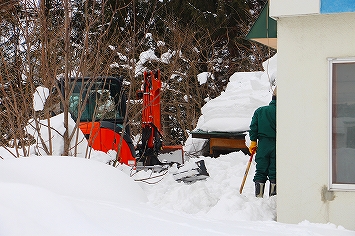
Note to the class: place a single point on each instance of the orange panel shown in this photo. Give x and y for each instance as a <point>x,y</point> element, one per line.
<point>103,139</point>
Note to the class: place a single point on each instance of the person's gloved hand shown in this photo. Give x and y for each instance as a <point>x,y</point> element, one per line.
<point>253,146</point>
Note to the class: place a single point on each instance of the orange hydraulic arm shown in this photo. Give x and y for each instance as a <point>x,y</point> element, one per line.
<point>151,122</point>
<point>152,144</point>
<point>151,104</point>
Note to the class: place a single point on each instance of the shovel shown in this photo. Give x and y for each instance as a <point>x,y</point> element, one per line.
<point>246,173</point>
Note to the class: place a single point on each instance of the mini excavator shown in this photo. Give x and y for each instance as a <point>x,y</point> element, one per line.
<point>100,105</point>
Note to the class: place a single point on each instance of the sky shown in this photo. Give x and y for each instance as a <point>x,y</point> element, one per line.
<point>57,195</point>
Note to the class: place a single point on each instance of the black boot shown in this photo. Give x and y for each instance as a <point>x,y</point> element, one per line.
<point>259,189</point>
<point>272,190</point>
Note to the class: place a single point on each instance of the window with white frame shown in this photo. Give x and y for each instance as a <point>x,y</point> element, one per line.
<point>342,135</point>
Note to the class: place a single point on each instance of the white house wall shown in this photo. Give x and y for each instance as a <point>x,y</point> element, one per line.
<point>280,8</point>
<point>304,44</point>
<point>283,8</point>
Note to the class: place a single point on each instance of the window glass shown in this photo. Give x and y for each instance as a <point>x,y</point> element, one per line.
<point>99,100</point>
<point>343,122</point>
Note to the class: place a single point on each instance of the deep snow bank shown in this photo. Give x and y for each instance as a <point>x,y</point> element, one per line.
<point>79,178</point>
<point>218,196</point>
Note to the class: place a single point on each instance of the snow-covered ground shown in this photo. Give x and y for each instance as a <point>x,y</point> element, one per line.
<point>56,195</point>
<point>77,196</point>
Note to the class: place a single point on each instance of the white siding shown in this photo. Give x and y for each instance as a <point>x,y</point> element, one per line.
<point>293,7</point>
<point>304,44</point>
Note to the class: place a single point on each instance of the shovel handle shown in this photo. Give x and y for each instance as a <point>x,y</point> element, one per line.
<point>246,173</point>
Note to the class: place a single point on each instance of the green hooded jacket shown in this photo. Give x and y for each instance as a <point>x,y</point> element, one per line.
<point>263,123</point>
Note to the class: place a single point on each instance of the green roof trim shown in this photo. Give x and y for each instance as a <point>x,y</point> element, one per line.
<point>264,27</point>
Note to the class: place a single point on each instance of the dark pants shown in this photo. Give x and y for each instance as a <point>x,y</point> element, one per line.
<point>265,160</point>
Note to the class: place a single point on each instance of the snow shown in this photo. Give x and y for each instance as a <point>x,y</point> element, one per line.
<point>35,128</point>
<point>202,77</point>
<point>58,195</point>
<point>39,98</point>
<point>76,196</point>
<point>233,109</point>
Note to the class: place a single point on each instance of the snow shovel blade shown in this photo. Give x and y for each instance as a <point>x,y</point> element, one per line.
<point>171,154</point>
<point>191,172</point>
<point>155,168</point>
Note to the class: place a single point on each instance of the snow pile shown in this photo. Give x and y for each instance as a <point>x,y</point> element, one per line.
<point>39,130</point>
<point>233,109</point>
<point>79,178</point>
<point>77,196</point>
<point>215,198</point>
<point>51,195</point>
<point>245,92</point>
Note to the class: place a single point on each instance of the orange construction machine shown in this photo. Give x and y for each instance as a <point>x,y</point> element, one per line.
<point>100,104</point>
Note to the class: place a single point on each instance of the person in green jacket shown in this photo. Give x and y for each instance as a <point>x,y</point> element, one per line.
<point>263,141</point>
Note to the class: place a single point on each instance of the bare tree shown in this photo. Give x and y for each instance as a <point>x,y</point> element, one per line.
<point>44,41</point>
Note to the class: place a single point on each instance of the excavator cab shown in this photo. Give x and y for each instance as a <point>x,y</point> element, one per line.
<point>100,105</point>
